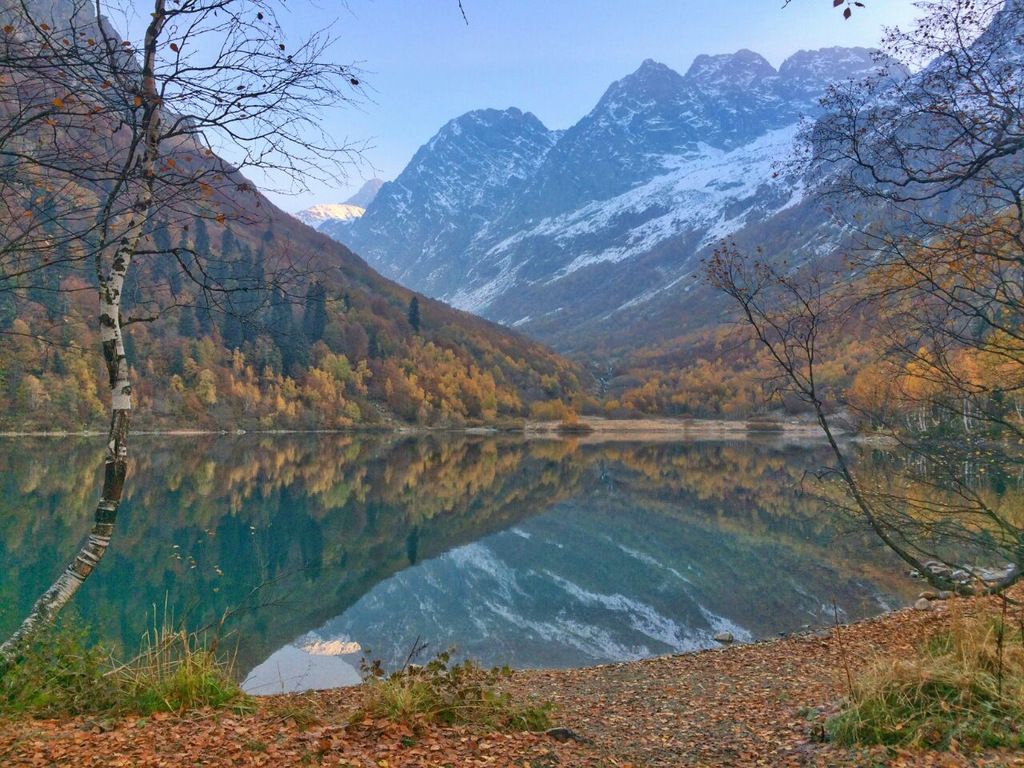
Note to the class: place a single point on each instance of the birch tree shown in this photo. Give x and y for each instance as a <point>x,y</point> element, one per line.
<point>119,130</point>
<point>937,160</point>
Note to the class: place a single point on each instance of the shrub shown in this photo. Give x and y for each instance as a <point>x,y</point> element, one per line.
<point>449,694</point>
<point>964,687</point>
<point>61,674</point>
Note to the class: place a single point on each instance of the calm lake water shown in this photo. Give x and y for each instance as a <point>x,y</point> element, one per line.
<point>531,553</point>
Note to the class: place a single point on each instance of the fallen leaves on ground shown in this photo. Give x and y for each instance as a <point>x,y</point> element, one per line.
<point>749,705</point>
<point>264,739</point>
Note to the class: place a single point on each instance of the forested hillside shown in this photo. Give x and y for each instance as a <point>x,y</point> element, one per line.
<point>341,346</point>
<point>236,315</point>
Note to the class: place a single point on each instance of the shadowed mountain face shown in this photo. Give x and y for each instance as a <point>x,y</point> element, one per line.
<point>366,193</point>
<point>531,553</point>
<point>580,234</point>
<point>453,187</point>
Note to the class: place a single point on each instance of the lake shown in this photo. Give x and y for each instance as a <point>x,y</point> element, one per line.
<point>325,549</point>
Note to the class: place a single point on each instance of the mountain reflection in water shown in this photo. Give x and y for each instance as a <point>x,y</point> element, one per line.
<point>519,552</point>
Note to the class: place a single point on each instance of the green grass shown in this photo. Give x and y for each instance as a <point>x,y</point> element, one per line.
<point>964,688</point>
<point>62,674</point>
<point>450,694</point>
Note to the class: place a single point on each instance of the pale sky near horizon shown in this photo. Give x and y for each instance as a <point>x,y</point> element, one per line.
<point>424,65</point>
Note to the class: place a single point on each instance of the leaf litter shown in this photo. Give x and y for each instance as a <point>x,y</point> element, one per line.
<point>762,704</point>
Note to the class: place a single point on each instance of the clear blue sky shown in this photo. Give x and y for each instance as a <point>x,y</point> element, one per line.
<point>424,65</point>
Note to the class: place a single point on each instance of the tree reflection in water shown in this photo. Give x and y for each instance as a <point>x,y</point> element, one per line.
<point>558,552</point>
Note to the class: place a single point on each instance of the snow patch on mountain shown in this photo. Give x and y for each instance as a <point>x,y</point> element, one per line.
<point>695,194</point>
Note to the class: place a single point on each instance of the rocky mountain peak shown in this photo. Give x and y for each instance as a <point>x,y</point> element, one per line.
<point>651,71</point>
<point>805,76</point>
<point>496,207</point>
<point>455,183</point>
<point>734,71</point>
<point>828,63</point>
<point>476,119</point>
<point>651,83</point>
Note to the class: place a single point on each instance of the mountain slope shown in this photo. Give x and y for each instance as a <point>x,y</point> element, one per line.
<point>363,362</point>
<point>238,315</point>
<point>419,228</point>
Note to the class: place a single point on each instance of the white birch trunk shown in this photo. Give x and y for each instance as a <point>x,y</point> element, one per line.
<point>112,341</point>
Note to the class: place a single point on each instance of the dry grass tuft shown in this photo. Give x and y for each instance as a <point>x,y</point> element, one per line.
<point>963,689</point>
<point>450,694</point>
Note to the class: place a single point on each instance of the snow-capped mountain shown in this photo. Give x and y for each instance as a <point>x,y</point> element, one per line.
<point>317,215</point>
<point>558,232</point>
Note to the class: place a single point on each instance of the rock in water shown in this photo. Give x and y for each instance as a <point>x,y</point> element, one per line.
<point>724,637</point>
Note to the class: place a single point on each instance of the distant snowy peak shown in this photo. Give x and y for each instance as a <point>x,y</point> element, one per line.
<point>316,215</point>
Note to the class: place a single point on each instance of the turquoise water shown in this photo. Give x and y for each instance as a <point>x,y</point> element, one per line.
<point>328,548</point>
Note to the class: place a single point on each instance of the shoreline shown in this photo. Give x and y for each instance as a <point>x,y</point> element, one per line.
<point>588,429</point>
<point>761,703</point>
<point>594,429</point>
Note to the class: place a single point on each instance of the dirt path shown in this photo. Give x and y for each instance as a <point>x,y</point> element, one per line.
<point>748,705</point>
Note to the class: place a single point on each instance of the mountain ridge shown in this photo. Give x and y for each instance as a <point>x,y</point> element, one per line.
<point>599,220</point>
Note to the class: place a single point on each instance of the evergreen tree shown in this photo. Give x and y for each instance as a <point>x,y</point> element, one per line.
<point>232,331</point>
<point>164,265</point>
<point>414,313</point>
<point>228,244</point>
<point>292,345</point>
<point>161,238</point>
<point>187,323</point>
<point>200,239</point>
<point>44,285</point>
<point>8,309</point>
<point>314,315</point>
